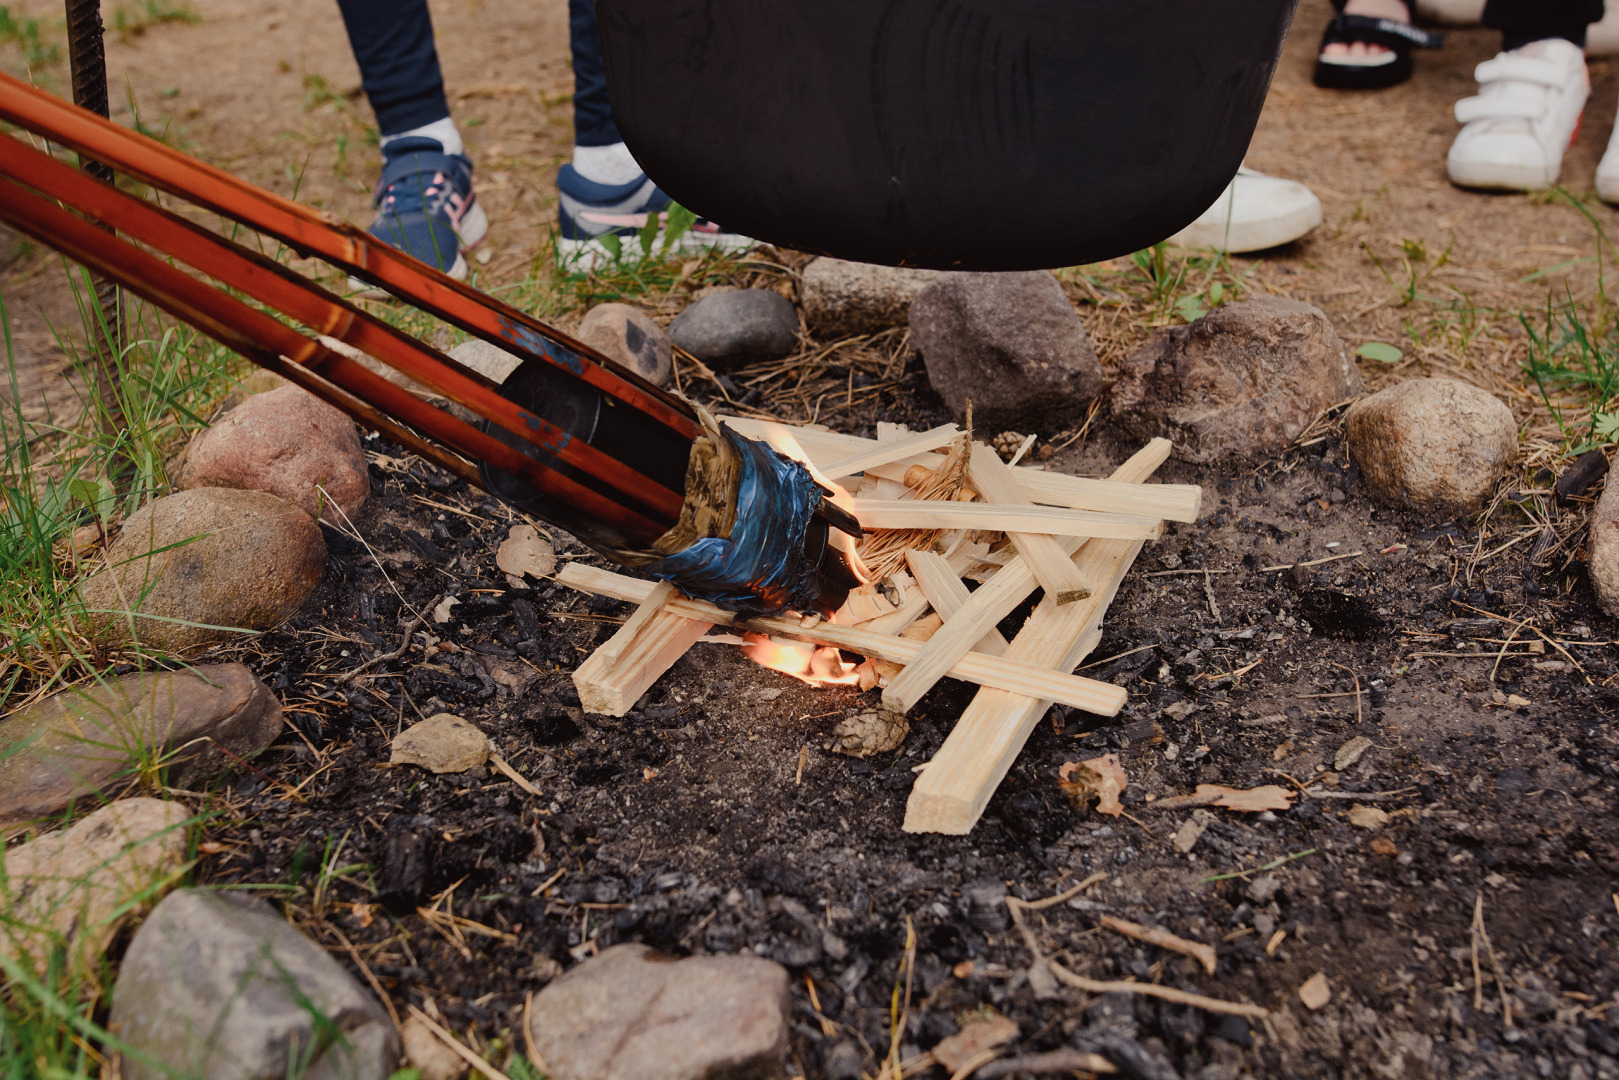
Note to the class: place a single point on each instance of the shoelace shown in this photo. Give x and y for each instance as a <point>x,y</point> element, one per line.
<point>407,195</point>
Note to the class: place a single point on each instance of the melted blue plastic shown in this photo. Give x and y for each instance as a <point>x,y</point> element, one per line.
<point>761,568</point>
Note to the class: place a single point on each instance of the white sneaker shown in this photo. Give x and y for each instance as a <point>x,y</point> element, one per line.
<point>1253,213</point>
<point>1608,170</point>
<point>1525,115</point>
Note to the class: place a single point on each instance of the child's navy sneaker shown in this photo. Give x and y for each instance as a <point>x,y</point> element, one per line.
<point>588,211</point>
<point>425,205</point>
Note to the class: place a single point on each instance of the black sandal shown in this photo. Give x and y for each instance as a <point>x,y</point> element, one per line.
<point>1371,72</point>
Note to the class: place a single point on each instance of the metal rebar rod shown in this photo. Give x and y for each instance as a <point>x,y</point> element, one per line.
<point>87,58</point>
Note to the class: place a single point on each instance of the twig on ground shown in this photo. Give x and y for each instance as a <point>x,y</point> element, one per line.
<point>1055,1061</point>
<point>512,774</point>
<point>404,647</point>
<point>1152,935</point>
<point>461,1051</point>
<point>1053,901</point>
<point>1165,993</point>
<point>365,969</point>
<point>1312,562</point>
<point>1482,936</point>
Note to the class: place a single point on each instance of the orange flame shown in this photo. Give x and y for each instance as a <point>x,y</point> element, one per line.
<point>817,665</point>
<point>787,445</point>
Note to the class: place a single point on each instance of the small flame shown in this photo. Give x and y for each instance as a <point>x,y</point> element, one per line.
<point>785,443</point>
<point>819,666</point>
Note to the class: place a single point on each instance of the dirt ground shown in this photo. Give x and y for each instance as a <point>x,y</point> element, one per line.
<point>686,825</point>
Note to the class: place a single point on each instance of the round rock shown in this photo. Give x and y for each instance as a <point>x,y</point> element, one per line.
<point>218,984</point>
<point>78,887</point>
<point>1011,344</point>
<point>624,334</point>
<point>737,326</point>
<point>634,1014</point>
<point>203,559</point>
<point>289,443</point>
<point>85,740</point>
<point>1244,379</point>
<point>1602,548</point>
<point>1434,445</point>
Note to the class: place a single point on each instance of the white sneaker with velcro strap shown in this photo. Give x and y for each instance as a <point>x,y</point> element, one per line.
<point>1525,115</point>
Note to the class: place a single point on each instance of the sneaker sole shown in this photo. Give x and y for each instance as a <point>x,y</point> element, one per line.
<point>585,254</point>
<point>1499,176</point>
<point>1250,235</point>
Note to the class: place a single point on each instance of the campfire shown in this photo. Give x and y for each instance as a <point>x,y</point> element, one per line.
<point>939,510</point>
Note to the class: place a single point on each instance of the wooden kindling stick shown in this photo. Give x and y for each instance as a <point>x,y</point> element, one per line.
<point>951,793</point>
<point>994,602</point>
<point>613,678</point>
<point>1168,502</point>
<point>1082,693</point>
<point>1047,559</point>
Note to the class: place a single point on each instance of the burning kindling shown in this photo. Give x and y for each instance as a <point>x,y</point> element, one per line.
<point>936,508</point>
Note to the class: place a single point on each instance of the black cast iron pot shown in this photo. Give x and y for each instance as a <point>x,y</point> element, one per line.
<point>961,134</point>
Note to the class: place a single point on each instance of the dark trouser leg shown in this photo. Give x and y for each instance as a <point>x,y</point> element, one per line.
<point>592,113</point>
<point>393,44</point>
<point>1523,21</point>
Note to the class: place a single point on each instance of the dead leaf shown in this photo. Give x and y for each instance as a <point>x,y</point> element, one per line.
<point>1367,817</point>
<point>442,614</point>
<point>1102,777</point>
<point>1315,993</point>
<point>525,551</point>
<point>1253,800</point>
<point>1350,752</point>
<point>443,743</point>
<point>972,1040</point>
<point>1384,846</point>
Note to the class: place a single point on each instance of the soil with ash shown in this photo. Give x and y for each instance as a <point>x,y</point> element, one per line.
<point>692,825</point>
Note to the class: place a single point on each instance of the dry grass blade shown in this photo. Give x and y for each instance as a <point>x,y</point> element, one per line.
<point>883,550</point>
<point>1165,993</point>
<point>1197,950</point>
<point>455,1044</point>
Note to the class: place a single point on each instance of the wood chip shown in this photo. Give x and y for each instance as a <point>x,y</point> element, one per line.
<point>1315,993</point>
<point>1152,935</point>
<point>1102,777</point>
<point>1190,832</point>
<point>525,551</point>
<point>1367,817</point>
<point>973,1039</point>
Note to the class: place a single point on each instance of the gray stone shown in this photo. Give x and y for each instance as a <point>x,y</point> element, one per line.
<point>737,326</point>
<point>1244,380</point>
<point>289,443</point>
<point>845,298</point>
<point>634,1014</point>
<point>90,739</point>
<point>217,984</point>
<point>1010,343</point>
<point>624,334</point>
<point>210,557</point>
<point>490,361</point>
<point>75,889</point>
<point>1434,445</point>
<point>1602,548</point>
